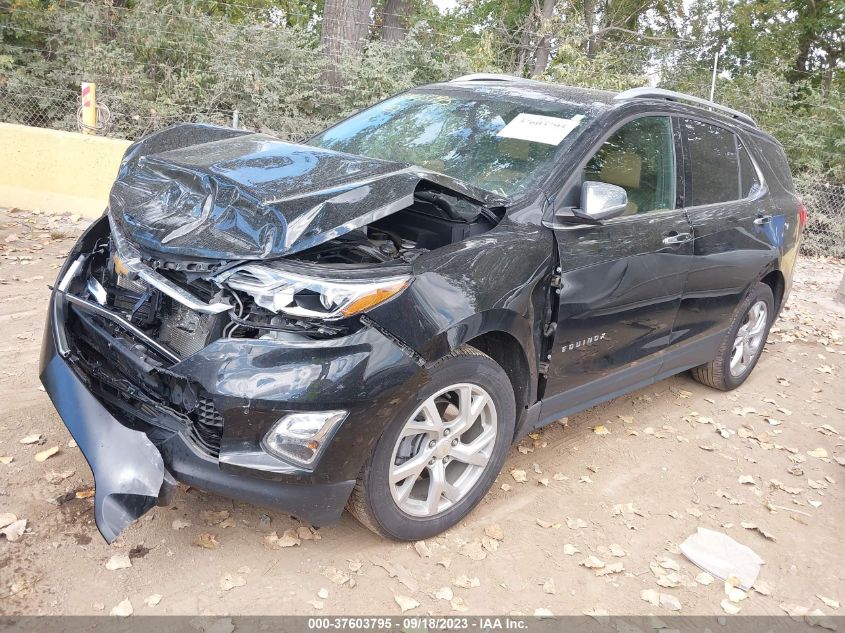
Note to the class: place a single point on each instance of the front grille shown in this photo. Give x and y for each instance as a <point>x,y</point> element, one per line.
<point>206,427</point>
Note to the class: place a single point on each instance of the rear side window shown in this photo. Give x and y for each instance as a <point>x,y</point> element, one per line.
<point>749,181</point>
<point>713,162</point>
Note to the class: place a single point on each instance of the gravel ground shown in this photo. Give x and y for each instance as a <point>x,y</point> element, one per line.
<point>625,483</point>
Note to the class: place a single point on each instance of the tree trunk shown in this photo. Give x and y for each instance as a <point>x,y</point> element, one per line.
<point>396,15</point>
<point>840,294</point>
<point>525,41</point>
<point>541,56</point>
<point>346,24</point>
<point>590,24</point>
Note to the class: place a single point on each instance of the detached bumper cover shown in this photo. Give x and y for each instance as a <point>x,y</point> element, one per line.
<point>128,469</point>
<point>131,474</point>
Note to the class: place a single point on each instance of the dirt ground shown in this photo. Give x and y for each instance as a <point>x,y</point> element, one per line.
<point>676,456</point>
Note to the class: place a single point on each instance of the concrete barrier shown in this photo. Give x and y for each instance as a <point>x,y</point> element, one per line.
<point>61,172</point>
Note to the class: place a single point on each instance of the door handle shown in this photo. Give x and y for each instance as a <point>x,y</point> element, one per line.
<point>678,238</point>
<point>763,219</point>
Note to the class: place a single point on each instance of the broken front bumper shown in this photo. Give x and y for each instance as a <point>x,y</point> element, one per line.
<point>138,456</point>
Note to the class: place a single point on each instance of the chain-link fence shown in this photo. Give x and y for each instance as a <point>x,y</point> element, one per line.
<point>156,64</point>
<point>824,234</point>
<point>825,230</point>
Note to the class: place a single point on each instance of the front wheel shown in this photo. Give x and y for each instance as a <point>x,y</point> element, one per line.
<point>440,455</point>
<point>742,346</point>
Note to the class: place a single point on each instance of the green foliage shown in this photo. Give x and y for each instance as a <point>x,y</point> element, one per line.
<point>157,62</point>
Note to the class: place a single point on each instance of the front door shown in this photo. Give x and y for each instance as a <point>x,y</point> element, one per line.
<point>621,281</point>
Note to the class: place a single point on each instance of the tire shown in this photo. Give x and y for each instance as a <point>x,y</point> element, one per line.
<point>410,508</point>
<point>721,373</point>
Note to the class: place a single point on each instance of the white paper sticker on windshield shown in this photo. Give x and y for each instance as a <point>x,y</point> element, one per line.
<point>539,128</point>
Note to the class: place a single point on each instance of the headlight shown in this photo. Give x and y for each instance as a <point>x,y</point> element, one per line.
<point>300,296</point>
<point>302,437</point>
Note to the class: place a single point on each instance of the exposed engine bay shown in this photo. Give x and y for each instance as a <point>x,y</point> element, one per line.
<point>434,220</point>
<point>275,299</point>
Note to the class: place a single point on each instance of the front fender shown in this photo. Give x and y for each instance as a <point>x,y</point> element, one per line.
<point>496,282</point>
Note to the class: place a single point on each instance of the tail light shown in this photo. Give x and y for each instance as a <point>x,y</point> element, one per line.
<point>802,216</point>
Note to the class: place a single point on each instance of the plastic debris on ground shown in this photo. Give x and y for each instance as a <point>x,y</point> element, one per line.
<point>723,557</point>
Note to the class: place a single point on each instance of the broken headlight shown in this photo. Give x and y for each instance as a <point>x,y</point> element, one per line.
<point>311,297</point>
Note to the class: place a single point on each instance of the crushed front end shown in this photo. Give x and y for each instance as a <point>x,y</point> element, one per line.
<point>162,374</point>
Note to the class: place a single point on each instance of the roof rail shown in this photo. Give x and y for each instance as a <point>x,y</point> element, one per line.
<point>671,95</point>
<point>485,77</point>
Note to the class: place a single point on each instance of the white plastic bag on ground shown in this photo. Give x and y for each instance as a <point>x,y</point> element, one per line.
<point>722,556</point>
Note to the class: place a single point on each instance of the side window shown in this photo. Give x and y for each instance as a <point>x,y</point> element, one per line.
<point>640,158</point>
<point>749,181</point>
<point>713,164</point>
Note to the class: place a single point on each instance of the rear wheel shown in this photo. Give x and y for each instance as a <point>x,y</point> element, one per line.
<point>742,346</point>
<point>440,455</point>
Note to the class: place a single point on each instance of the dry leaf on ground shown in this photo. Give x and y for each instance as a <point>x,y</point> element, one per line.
<point>466,582</point>
<point>213,518</point>
<point>46,454</point>
<point>123,609</point>
<point>57,477</point>
<point>444,593</point>
<point>405,603</point>
<point>118,561</point>
<point>14,531</point>
<point>337,576</point>
<point>152,600</point>
<point>591,562</point>
<point>612,568</point>
<point>474,550</point>
<point>207,540</point>
<point>230,581</point>
<point>422,549</point>
<point>289,538</point>
<point>729,607</point>
<point>495,531</point>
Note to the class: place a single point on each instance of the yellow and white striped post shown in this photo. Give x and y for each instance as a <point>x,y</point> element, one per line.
<point>89,107</point>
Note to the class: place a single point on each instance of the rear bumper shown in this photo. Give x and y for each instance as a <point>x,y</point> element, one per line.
<point>131,474</point>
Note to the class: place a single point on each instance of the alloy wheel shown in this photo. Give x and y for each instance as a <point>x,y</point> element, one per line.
<point>749,338</point>
<point>443,450</point>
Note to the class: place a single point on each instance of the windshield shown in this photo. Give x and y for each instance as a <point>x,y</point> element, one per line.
<point>497,144</point>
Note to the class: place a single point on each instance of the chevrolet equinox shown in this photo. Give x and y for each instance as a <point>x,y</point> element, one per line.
<point>371,319</point>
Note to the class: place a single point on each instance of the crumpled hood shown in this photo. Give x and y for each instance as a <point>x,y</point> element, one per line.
<point>205,192</point>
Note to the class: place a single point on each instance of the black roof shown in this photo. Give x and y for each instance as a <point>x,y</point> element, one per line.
<point>531,89</point>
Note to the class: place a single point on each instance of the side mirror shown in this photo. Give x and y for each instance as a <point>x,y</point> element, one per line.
<point>601,200</point>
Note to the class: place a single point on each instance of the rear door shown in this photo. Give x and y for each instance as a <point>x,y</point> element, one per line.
<point>735,231</point>
<point>621,280</point>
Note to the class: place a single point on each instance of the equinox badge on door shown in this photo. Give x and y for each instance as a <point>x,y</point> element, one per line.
<point>568,347</point>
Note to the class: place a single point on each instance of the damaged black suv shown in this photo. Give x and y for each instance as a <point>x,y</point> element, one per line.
<point>371,319</point>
